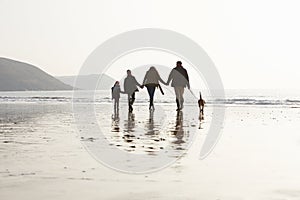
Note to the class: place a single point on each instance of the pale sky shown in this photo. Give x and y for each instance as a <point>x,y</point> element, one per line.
<point>254,44</point>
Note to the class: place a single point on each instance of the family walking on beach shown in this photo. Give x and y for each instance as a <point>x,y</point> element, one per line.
<point>178,77</point>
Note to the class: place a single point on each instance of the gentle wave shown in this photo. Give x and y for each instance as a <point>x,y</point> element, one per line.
<point>105,99</point>
<point>246,101</point>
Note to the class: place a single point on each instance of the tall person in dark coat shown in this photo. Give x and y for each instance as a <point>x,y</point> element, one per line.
<point>180,80</point>
<point>130,87</point>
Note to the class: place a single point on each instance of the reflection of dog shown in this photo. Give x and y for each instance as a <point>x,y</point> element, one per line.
<point>201,104</point>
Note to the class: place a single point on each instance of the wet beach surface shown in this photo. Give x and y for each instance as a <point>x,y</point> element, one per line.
<point>43,155</point>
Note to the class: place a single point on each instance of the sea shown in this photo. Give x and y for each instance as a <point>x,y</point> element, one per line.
<point>233,97</point>
<point>48,150</point>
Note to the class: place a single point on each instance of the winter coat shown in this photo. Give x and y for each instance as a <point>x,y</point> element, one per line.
<point>115,92</point>
<point>179,77</point>
<point>152,78</point>
<point>130,84</point>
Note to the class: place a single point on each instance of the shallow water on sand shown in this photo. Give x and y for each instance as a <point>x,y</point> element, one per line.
<point>43,155</point>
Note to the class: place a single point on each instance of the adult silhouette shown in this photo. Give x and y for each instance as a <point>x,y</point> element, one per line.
<point>180,80</point>
<point>151,81</point>
<point>130,87</point>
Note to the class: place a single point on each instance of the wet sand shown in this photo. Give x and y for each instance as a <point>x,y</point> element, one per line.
<point>42,155</point>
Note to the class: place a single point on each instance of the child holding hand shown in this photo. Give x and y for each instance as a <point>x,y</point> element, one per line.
<point>115,95</point>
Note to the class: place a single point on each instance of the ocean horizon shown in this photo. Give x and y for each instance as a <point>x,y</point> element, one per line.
<point>233,97</point>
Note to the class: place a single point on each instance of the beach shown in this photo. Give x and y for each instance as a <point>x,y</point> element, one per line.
<point>43,155</point>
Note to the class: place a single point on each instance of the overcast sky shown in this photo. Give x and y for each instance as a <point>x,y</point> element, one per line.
<point>254,44</point>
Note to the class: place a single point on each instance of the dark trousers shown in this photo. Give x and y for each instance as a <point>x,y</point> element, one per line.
<point>151,91</point>
<point>131,98</point>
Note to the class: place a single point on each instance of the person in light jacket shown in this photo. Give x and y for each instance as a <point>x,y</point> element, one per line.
<point>151,81</point>
<point>115,95</point>
<point>180,80</point>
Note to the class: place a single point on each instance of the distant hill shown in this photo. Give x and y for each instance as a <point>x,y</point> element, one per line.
<point>19,76</point>
<point>88,82</point>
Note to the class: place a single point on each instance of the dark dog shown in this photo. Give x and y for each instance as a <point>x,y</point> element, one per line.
<point>201,104</point>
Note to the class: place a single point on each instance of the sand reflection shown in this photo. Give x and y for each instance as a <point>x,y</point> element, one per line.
<point>150,135</point>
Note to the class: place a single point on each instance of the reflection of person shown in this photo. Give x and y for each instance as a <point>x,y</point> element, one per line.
<point>179,131</point>
<point>115,95</point>
<point>151,81</point>
<point>153,138</point>
<point>115,121</point>
<point>150,124</point>
<point>129,136</point>
<point>130,87</point>
<point>180,80</point>
<point>129,124</point>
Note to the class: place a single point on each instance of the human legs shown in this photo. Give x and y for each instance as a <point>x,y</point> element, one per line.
<point>131,98</point>
<point>116,104</point>
<point>181,91</point>
<point>129,103</point>
<point>151,91</point>
<point>179,97</point>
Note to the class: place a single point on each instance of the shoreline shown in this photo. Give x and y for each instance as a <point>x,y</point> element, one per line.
<point>44,159</point>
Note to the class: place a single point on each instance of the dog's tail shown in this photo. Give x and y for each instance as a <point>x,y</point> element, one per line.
<point>200,96</point>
